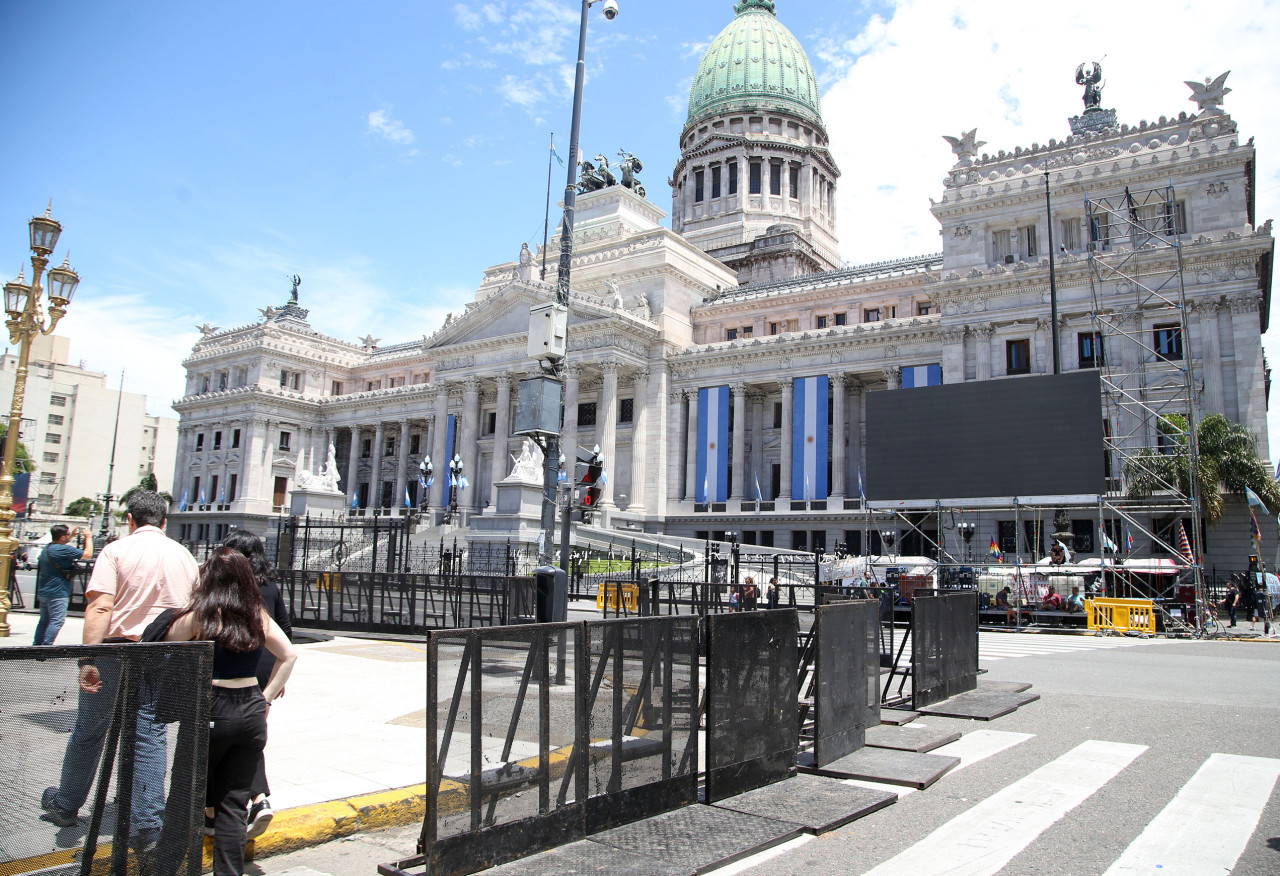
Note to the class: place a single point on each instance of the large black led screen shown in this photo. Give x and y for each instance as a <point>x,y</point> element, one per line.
<point>1026,436</point>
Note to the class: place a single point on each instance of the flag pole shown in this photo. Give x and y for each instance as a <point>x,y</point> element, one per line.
<point>546,222</point>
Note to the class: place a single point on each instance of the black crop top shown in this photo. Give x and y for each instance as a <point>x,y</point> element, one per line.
<point>235,664</point>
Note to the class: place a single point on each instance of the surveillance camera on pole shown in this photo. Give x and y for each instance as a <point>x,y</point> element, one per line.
<point>610,9</point>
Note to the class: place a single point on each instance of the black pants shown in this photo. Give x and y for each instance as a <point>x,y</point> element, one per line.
<point>237,735</point>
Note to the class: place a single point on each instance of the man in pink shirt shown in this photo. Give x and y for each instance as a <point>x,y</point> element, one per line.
<point>134,579</point>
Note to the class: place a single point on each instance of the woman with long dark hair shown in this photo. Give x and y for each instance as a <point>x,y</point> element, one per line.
<point>226,608</point>
<point>260,813</point>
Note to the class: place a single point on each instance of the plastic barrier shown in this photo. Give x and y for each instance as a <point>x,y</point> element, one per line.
<point>608,594</point>
<point>1121,615</point>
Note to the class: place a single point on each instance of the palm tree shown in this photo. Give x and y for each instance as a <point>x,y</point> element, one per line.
<point>1228,458</point>
<point>147,484</point>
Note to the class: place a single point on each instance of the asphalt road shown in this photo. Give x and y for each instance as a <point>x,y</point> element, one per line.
<point>1167,710</point>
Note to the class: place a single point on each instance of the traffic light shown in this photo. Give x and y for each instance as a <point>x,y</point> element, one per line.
<point>592,480</point>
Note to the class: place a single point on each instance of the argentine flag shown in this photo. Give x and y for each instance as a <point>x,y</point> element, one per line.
<point>809,438</point>
<point>713,444</point>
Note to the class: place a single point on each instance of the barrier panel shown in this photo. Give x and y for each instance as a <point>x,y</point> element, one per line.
<point>382,602</point>
<point>1121,615</point>
<point>518,762</point>
<point>752,711</point>
<point>108,779</point>
<point>847,674</point>
<point>607,597</point>
<point>944,646</point>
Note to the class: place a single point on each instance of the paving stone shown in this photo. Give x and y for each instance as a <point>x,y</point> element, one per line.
<point>589,857</point>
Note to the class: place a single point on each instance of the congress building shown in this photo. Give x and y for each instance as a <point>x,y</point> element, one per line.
<point>724,364</point>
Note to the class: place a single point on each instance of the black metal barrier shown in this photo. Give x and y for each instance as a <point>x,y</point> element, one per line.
<point>116,775</point>
<point>944,646</point>
<point>383,602</point>
<point>752,716</point>
<point>517,762</point>
<point>846,689</point>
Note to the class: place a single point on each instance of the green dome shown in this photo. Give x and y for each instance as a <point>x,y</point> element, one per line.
<point>755,64</point>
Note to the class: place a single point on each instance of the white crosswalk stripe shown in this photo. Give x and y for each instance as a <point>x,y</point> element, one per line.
<point>1002,646</point>
<point>984,838</point>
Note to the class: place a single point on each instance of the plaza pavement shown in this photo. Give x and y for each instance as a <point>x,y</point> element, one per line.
<point>347,742</point>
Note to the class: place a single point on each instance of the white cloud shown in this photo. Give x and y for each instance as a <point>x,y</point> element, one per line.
<point>520,91</point>
<point>381,123</point>
<point>932,67</point>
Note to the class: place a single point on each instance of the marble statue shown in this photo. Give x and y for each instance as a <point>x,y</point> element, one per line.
<point>528,465</point>
<point>525,271</point>
<point>325,482</point>
<point>1208,97</point>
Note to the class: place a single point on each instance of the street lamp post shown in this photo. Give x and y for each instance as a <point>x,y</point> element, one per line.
<point>25,323</point>
<point>426,472</point>
<point>966,532</point>
<point>455,476</point>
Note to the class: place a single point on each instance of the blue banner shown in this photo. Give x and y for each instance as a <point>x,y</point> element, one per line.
<point>809,438</point>
<point>451,433</point>
<point>922,375</point>
<point>713,445</point>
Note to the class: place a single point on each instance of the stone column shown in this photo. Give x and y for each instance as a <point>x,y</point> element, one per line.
<point>470,498</point>
<point>569,431</point>
<point>758,475</point>
<point>375,465</point>
<point>788,412</point>
<point>676,445</point>
<point>982,350</point>
<point>439,459</point>
<point>253,463</point>
<point>836,447</point>
<point>402,465</point>
<point>640,440</point>
<point>691,490</point>
<point>892,377</point>
<point>352,484</point>
<point>953,355</point>
<point>1042,348</point>
<point>854,452</point>
<point>739,440</point>
<point>1211,356</point>
<point>1250,370</point>
<point>501,429</point>
<point>608,426</point>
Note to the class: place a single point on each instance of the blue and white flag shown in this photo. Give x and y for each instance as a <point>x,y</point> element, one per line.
<point>354,503</point>
<point>182,506</point>
<point>1108,544</point>
<point>861,492</point>
<point>1255,501</point>
<point>202,499</point>
<point>431,482</point>
<point>922,375</point>
<point>759,498</point>
<point>809,438</point>
<point>222,499</point>
<point>463,483</point>
<point>407,503</point>
<point>713,444</point>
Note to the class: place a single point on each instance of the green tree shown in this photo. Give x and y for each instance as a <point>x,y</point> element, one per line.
<point>84,507</point>
<point>1228,457</point>
<point>22,460</point>
<point>147,484</point>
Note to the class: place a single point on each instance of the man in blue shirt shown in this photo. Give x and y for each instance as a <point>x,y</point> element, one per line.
<point>53,579</point>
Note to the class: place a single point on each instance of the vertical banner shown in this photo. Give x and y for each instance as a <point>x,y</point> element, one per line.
<point>922,375</point>
<point>449,436</point>
<point>713,445</point>
<point>809,438</point>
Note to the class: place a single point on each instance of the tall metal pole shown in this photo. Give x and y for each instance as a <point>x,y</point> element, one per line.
<point>551,454</point>
<point>111,467</point>
<point>1053,280</point>
<point>546,222</point>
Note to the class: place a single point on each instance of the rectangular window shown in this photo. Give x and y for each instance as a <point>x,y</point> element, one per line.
<point>755,183</point>
<point>586,413</point>
<point>235,438</point>
<point>1168,341</point>
<point>731,334</point>
<point>199,441</point>
<point>213,489</point>
<point>284,440</point>
<point>1027,241</point>
<point>415,444</point>
<point>871,314</point>
<point>1017,356</point>
<point>372,385</point>
<point>1091,351</point>
<point>924,308</point>
<point>733,177</point>
<point>222,381</point>
<point>795,181</point>
<point>1002,247</point>
<point>231,487</point>
<point>55,419</point>
<point>775,177</point>
<point>295,380</point>
<point>490,422</point>
<point>892,312</point>
<point>366,448</point>
<point>204,383</point>
<point>747,331</point>
<point>715,181</point>
<point>50,457</point>
<point>698,176</point>
<point>217,440</point>
<point>1099,231</point>
<point>195,490</point>
<point>1175,218</point>
<point>626,410</point>
<point>821,322</point>
<point>389,446</point>
<point>336,388</point>
<point>842,319</point>
<point>1070,234</point>
<point>284,379</point>
<point>773,328</point>
<point>58,401</point>
<point>1083,532</point>
<point>777,416</point>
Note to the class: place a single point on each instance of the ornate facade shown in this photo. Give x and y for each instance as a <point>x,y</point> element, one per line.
<point>742,292</point>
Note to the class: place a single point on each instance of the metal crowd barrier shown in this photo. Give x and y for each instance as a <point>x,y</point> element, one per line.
<point>128,761</point>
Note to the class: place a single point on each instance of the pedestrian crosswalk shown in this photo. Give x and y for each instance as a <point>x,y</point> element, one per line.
<point>1002,646</point>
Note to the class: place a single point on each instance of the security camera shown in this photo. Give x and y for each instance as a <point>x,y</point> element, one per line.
<point>611,9</point>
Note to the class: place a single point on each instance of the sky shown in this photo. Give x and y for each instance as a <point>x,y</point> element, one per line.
<point>387,152</point>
